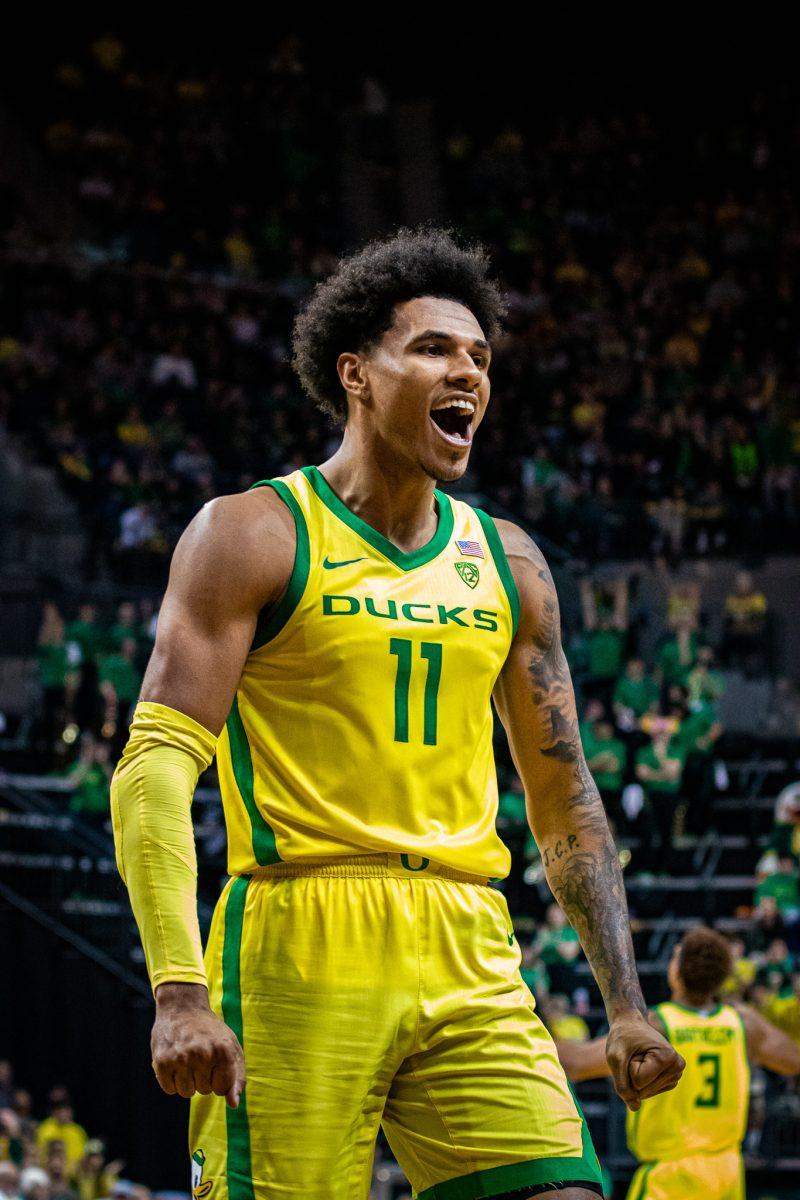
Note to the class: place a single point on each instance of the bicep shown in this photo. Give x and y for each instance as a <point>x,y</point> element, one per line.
<point>206,625</point>
<point>195,666</point>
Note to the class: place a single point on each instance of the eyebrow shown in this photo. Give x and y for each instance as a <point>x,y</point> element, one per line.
<point>440,335</point>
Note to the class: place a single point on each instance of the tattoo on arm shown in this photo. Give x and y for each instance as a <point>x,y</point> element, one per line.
<point>561,848</point>
<point>589,888</point>
<point>582,866</point>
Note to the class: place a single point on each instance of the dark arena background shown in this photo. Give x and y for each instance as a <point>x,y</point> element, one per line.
<point>166,205</point>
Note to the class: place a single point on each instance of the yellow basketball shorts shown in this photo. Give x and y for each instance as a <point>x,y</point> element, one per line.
<point>380,990</point>
<point>696,1177</point>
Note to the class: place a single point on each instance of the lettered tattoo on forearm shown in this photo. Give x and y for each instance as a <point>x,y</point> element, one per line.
<point>581,864</point>
<point>561,848</point>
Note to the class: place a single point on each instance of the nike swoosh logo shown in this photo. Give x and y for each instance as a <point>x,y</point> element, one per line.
<point>510,939</point>
<point>329,566</point>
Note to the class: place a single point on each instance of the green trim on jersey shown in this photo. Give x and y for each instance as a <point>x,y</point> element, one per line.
<point>239,1170</point>
<point>264,847</point>
<point>501,562</point>
<point>696,1012</point>
<point>406,561</point>
<point>268,627</point>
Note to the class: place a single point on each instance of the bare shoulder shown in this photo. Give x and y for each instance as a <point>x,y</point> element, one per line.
<point>521,547</point>
<point>534,580</point>
<point>246,540</point>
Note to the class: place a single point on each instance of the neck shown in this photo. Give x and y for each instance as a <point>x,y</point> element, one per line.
<point>383,492</point>
<point>681,996</point>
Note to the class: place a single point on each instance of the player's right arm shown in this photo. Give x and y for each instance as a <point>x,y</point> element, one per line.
<point>234,560</point>
<point>768,1046</point>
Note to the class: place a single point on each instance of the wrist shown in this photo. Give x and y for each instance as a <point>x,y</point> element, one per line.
<point>628,1011</point>
<point>182,997</point>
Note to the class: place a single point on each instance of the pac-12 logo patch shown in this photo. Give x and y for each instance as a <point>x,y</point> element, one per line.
<point>469,573</point>
<point>199,1189</point>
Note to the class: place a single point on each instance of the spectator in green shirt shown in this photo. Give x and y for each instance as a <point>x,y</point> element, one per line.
<point>634,694</point>
<point>86,633</point>
<point>659,769</point>
<point>90,778</point>
<point>56,675</point>
<point>607,635</point>
<point>678,654</point>
<point>125,626</point>
<point>120,680</point>
<point>784,840</point>
<point>783,886</point>
<point>558,947</point>
<point>697,734</point>
<point>606,758</point>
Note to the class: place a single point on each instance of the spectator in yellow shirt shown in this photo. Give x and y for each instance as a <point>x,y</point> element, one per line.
<point>744,643</point>
<point>61,1126</point>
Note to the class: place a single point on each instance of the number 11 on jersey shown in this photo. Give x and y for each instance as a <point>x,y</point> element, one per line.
<point>431,653</point>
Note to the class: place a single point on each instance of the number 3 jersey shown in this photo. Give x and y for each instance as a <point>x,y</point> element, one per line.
<point>362,721</point>
<point>707,1111</point>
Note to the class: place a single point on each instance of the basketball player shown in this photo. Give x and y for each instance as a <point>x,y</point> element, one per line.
<point>689,1141</point>
<point>335,637</point>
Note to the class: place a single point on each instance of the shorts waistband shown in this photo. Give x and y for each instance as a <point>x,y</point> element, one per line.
<point>406,866</point>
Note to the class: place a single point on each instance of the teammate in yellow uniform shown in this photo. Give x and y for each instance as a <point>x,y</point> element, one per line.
<point>688,1141</point>
<point>335,636</point>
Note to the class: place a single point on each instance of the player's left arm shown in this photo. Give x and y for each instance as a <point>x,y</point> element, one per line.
<point>584,1060</point>
<point>589,1060</point>
<point>536,703</point>
<point>768,1046</point>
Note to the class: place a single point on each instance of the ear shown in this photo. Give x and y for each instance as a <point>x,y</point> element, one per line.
<point>353,375</point>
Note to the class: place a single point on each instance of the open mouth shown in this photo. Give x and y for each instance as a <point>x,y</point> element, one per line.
<point>454,423</point>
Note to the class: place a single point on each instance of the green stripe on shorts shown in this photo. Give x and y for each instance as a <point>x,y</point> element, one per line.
<point>239,1171</point>
<point>638,1190</point>
<point>536,1171</point>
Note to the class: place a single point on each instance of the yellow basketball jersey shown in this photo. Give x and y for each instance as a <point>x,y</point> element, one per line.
<point>362,720</point>
<point>707,1111</point>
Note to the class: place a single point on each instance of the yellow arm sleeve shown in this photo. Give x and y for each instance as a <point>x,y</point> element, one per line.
<point>151,799</point>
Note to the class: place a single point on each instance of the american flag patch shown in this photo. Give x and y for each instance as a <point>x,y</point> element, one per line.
<point>475,549</point>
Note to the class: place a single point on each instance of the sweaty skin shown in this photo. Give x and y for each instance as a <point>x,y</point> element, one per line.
<point>235,560</point>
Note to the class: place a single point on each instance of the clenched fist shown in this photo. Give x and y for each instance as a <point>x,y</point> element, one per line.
<point>193,1050</point>
<point>642,1062</point>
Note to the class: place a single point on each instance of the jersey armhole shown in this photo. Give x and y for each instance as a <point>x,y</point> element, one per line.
<point>501,562</point>
<point>654,1012</point>
<point>268,626</point>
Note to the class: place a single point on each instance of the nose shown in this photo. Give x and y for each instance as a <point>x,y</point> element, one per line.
<point>464,372</point>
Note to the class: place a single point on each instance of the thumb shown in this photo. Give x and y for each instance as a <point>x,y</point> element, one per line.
<point>234,1092</point>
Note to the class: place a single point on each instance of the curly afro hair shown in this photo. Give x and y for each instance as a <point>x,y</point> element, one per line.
<point>704,962</point>
<point>353,308</point>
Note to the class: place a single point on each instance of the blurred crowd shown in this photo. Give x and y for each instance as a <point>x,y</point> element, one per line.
<point>646,389</point>
<point>651,731</point>
<point>646,405</point>
<point>90,673</point>
<point>53,1158</point>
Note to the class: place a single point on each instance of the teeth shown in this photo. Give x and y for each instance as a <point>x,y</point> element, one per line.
<point>467,404</point>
